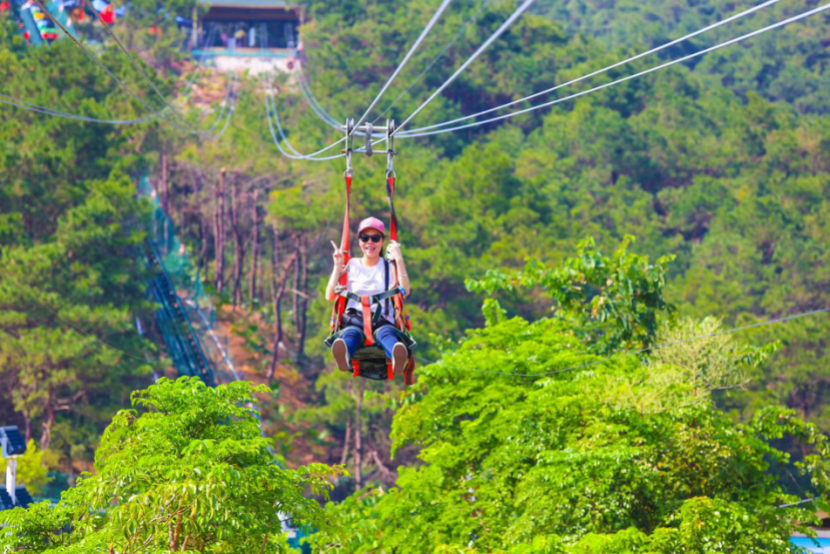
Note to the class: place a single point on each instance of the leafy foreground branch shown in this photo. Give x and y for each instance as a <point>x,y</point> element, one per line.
<point>626,455</point>
<point>187,472</point>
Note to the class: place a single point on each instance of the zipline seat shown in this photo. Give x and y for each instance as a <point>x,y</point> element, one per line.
<point>370,361</point>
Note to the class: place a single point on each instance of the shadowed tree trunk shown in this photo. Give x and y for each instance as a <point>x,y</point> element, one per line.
<point>375,446</point>
<point>386,474</point>
<point>163,196</point>
<point>219,233</point>
<point>279,281</point>
<point>358,445</point>
<point>164,184</point>
<point>204,239</point>
<point>48,423</point>
<point>344,457</point>
<point>202,222</point>
<point>52,406</point>
<point>301,284</point>
<point>239,245</point>
<point>297,279</point>
<point>254,248</point>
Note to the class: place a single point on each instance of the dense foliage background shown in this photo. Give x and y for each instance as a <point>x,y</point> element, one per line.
<point>720,170</point>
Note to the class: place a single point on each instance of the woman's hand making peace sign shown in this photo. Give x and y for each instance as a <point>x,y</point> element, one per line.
<point>337,256</point>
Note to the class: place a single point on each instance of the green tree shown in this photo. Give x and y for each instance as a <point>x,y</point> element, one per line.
<point>66,330</point>
<point>614,302</point>
<point>32,471</point>
<point>187,471</point>
<point>705,358</point>
<point>564,463</point>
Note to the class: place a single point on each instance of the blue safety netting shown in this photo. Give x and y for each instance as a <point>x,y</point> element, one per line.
<point>186,318</point>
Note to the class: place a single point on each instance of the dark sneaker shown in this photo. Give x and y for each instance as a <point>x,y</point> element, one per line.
<point>400,355</point>
<point>341,355</point>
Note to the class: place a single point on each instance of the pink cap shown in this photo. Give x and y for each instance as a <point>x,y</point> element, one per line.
<point>372,223</point>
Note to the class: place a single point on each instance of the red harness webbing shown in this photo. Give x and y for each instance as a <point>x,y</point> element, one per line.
<point>345,239</point>
<point>393,218</point>
<point>367,320</point>
<point>400,314</point>
<point>402,319</point>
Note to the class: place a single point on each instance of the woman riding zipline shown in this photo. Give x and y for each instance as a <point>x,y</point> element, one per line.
<point>367,277</point>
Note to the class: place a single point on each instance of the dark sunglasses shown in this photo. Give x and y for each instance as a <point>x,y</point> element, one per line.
<point>367,238</point>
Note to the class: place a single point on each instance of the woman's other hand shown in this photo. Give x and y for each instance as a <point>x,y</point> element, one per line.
<point>393,251</point>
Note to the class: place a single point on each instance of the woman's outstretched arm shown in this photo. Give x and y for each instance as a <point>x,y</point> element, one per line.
<point>335,273</point>
<point>393,252</point>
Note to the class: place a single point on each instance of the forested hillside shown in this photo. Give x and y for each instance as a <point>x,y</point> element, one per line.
<point>708,170</point>
<point>790,68</point>
<point>542,248</point>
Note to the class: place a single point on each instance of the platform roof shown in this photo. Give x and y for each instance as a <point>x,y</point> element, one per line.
<point>11,441</point>
<point>255,4</point>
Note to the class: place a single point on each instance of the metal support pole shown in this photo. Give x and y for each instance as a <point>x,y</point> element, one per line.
<point>390,147</point>
<point>368,134</point>
<point>349,147</point>
<point>11,479</point>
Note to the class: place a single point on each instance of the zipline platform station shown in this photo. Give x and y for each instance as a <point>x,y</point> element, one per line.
<point>253,35</point>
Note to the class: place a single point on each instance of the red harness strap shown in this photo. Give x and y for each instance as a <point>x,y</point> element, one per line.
<point>340,303</point>
<point>408,378</point>
<point>367,320</point>
<point>393,218</point>
<point>402,318</point>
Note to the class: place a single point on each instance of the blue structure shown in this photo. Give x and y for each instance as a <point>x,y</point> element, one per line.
<point>817,546</point>
<point>38,27</point>
<point>253,35</point>
<point>250,24</point>
<point>12,445</point>
<point>184,314</point>
<point>174,324</point>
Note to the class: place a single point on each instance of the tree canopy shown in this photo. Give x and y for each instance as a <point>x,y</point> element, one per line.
<point>186,471</point>
<point>531,443</point>
<point>572,413</point>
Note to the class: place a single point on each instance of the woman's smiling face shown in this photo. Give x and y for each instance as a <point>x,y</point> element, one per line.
<point>370,248</point>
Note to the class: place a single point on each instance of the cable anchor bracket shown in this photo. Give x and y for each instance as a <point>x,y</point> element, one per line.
<point>390,147</point>
<point>349,146</point>
<point>368,131</point>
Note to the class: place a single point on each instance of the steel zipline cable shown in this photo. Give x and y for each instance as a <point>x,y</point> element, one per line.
<point>502,28</point>
<point>610,67</point>
<point>161,114</point>
<point>143,73</point>
<point>92,56</point>
<point>319,111</point>
<point>441,53</point>
<point>229,106</point>
<point>313,103</point>
<point>272,116</point>
<point>406,58</point>
<point>156,115</point>
<point>275,126</point>
<point>774,321</point>
<point>329,120</point>
<point>434,129</point>
<point>25,105</point>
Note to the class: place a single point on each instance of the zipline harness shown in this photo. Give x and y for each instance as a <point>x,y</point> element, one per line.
<point>370,360</point>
